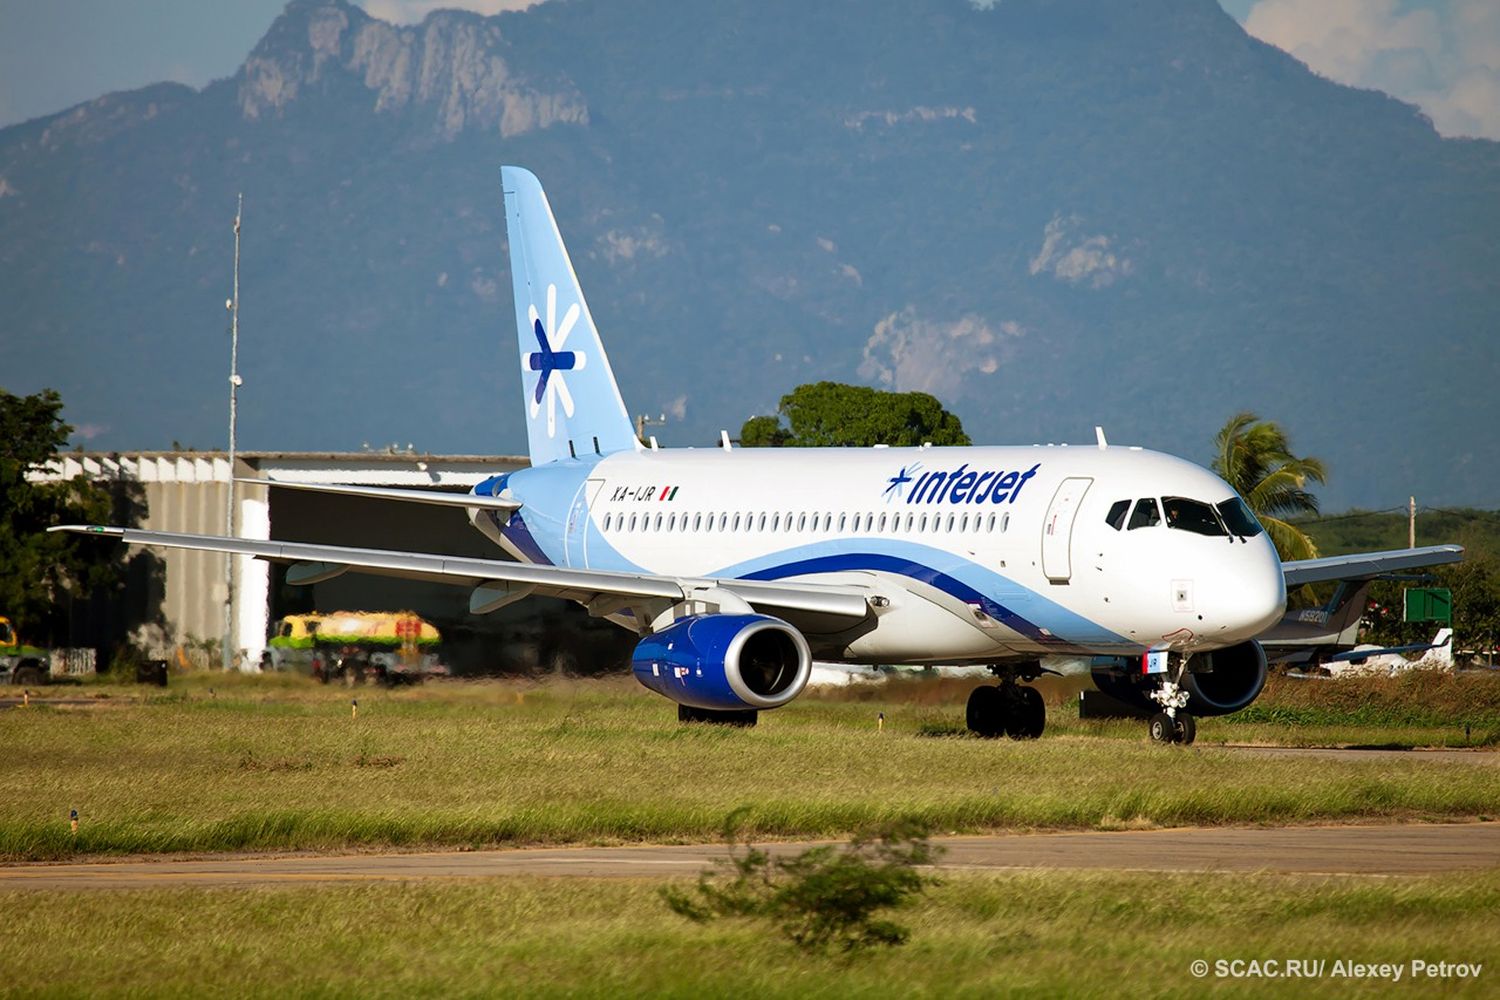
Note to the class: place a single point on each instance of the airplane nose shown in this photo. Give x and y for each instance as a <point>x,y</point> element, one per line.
<point>1257,600</point>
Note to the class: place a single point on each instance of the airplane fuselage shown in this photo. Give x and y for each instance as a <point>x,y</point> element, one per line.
<point>976,554</point>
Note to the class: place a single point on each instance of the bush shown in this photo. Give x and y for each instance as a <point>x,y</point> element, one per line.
<point>825,898</point>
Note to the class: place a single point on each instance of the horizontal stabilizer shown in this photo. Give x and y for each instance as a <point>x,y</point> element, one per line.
<point>436,497</point>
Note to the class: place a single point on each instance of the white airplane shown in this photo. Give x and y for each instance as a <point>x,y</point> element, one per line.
<point>1388,661</point>
<point>738,567</point>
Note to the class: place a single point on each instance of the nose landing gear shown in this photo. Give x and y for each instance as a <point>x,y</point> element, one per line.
<point>1172,724</point>
<point>1007,708</point>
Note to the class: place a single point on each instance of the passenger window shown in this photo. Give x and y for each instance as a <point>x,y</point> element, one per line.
<point>672,521</point>
<point>843,521</point>
<point>632,522</point>
<point>801,522</point>
<point>1116,517</point>
<point>1005,522</point>
<point>697,522</point>
<point>950,522</point>
<point>1192,515</point>
<point>963,524</point>
<point>989,524</point>
<point>1146,514</point>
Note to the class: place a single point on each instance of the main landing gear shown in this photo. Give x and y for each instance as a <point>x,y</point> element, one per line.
<point>1007,708</point>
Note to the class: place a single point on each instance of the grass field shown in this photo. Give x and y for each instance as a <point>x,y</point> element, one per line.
<point>1040,934</point>
<point>251,763</point>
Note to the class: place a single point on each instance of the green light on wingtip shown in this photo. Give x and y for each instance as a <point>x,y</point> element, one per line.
<point>96,529</point>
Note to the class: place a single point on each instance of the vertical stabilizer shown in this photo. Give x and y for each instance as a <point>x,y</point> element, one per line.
<point>573,406</point>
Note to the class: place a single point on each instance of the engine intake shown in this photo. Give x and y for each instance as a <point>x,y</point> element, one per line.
<point>725,662</point>
<point>1230,679</point>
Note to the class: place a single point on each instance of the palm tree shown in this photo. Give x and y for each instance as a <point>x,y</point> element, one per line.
<point>1254,456</point>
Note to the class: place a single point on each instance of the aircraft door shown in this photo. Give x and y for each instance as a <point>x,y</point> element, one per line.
<point>580,525</point>
<point>1057,529</point>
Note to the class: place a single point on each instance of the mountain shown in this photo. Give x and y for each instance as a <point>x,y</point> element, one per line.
<point>1050,213</point>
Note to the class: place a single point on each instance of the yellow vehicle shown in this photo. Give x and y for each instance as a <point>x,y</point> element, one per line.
<point>354,646</point>
<point>20,663</point>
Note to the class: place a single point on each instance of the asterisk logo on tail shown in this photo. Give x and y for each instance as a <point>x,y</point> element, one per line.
<point>551,360</point>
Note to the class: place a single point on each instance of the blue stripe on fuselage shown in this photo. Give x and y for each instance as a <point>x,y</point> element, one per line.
<point>1016,607</point>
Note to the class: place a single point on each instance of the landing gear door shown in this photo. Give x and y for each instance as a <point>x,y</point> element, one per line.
<point>1057,529</point>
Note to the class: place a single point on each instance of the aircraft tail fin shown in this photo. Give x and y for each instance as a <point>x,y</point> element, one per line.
<point>573,406</point>
<point>1442,653</point>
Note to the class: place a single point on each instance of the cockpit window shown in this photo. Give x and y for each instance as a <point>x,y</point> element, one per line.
<point>1146,515</point>
<point>1239,519</point>
<point>1191,515</point>
<point>1116,516</point>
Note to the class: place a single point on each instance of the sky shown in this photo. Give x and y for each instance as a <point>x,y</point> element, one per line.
<point>1442,55</point>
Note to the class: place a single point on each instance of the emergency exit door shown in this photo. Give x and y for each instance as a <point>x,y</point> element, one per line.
<point>1057,529</point>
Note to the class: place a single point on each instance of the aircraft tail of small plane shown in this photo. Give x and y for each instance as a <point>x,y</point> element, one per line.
<point>573,406</point>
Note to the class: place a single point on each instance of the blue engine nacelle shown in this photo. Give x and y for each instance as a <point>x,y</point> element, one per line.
<point>725,662</point>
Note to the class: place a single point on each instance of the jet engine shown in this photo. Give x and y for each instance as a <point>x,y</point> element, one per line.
<point>1220,682</point>
<point>725,662</point>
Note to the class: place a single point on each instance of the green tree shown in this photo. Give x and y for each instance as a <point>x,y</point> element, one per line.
<point>835,415</point>
<point>1255,457</point>
<point>41,569</point>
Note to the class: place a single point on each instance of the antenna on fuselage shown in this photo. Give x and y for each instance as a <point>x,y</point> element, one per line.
<point>1099,436</point>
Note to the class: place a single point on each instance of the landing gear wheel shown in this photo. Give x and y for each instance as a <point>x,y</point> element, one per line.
<point>1028,714</point>
<point>1162,728</point>
<point>1187,728</point>
<point>985,714</point>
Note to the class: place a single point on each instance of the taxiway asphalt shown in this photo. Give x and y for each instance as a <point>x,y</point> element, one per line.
<point>1397,849</point>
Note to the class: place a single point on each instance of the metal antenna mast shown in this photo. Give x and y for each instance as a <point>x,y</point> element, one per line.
<point>233,305</point>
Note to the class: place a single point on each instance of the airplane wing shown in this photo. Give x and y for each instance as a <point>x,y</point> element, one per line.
<point>1366,565</point>
<point>312,563</point>
<point>437,497</point>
